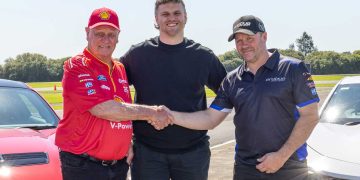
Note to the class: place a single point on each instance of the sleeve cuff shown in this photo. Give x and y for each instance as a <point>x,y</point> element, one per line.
<point>218,108</point>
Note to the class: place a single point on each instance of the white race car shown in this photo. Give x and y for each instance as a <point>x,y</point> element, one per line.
<point>334,145</point>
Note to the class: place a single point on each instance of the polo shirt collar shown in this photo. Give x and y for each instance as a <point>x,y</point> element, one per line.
<point>93,58</point>
<point>273,60</point>
<point>270,64</point>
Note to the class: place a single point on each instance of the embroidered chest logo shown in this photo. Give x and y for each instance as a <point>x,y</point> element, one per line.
<point>313,91</point>
<point>119,125</point>
<point>275,79</point>
<point>105,87</point>
<point>122,81</point>
<point>88,84</point>
<point>84,80</point>
<point>101,78</point>
<point>83,75</point>
<point>126,89</point>
<point>91,92</point>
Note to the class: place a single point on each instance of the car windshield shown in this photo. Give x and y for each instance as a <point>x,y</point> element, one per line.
<point>23,108</point>
<point>343,106</point>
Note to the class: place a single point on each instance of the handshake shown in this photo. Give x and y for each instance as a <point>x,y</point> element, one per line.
<point>161,118</point>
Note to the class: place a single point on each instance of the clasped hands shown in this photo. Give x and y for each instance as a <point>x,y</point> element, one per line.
<point>161,118</point>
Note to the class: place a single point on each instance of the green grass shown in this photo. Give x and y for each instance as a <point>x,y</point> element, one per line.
<point>52,97</point>
<point>57,106</point>
<point>335,77</point>
<point>325,85</point>
<point>44,84</point>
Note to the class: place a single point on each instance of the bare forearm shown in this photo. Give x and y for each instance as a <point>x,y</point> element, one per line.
<point>114,111</point>
<point>301,132</point>
<point>200,120</point>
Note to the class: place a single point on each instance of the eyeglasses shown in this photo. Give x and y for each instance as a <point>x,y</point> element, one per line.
<point>102,35</point>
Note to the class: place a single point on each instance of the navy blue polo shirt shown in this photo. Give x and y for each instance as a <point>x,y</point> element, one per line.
<point>266,105</point>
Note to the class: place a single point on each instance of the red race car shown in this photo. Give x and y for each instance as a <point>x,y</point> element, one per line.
<point>27,134</point>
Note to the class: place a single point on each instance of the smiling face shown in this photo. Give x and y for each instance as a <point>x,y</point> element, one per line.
<point>171,19</point>
<point>102,41</point>
<point>251,47</point>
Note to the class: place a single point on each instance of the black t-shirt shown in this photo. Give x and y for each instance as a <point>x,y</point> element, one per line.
<point>266,105</point>
<point>174,76</point>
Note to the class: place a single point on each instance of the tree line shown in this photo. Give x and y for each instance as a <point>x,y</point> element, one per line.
<point>321,62</point>
<point>31,67</point>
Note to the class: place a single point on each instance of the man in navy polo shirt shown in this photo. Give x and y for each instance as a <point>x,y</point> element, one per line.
<point>276,108</point>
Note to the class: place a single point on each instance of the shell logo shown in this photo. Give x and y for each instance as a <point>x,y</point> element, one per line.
<point>104,15</point>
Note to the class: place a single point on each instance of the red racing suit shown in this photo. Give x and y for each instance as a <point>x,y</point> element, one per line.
<point>87,81</point>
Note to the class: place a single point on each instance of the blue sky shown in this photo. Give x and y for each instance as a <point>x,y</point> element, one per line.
<point>55,28</point>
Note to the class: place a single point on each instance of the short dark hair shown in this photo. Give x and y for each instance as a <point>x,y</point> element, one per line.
<point>160,2</point>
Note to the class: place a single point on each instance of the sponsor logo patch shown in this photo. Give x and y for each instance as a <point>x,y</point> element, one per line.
<point>243,24</point>
<point>105,87</point>
<point>313,91</point>
<point>84,80</point>
<point>126,89</point>
<point>122,81</point>
<point>119,125</point>
<point>88,84</point>
<point>101,78</point>
<point>104,15</point>
<point>310,84</point>
<point>275,79</point>
<point>83,75</point>
<point>91,92</point>
<point>306,74</point>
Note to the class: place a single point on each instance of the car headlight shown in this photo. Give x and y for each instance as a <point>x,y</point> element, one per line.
<point>318,164</point>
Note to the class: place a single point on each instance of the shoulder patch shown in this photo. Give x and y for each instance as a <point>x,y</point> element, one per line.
<point>79,60</point>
